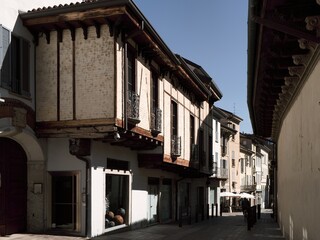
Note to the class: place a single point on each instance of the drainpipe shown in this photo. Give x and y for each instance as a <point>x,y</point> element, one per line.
<point>125,85</point>
<point>87,177</point>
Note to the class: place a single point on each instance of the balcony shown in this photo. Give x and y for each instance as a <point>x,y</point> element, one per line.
<point>220,173</point>
<point>156,121</point>
<point>248,187</point>
<point>175,146</point>
<point>223,173</point>
<point>133,107</point>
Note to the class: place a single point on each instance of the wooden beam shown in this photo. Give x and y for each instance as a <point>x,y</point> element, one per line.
<point>269,23</point>
<point>76,123</point>
<point>74,16</point>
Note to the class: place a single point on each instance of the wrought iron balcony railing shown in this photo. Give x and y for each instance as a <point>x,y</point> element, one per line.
<point>133,107</point>
<point>156,121</point>
<point>175,146</point>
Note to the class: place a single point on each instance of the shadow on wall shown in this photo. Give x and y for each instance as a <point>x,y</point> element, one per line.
<point>139,224</point>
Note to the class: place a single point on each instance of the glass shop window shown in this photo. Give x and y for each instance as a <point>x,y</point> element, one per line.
<point>116,200</point>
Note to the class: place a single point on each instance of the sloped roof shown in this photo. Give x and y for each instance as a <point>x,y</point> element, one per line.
<point>120,15</point>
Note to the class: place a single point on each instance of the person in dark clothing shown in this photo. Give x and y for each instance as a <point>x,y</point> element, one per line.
<point>245,204</point>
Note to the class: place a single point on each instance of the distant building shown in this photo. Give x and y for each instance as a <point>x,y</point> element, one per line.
<point>254,160</point>
<point>230,152</point>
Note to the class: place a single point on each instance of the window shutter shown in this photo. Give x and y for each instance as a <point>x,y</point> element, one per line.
<point>5,57</point>
<point>25,76</point>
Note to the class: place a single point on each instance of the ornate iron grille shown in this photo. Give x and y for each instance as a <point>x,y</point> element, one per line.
<point>133,107</point>
<point>175,146</point>
<point>156,120</point>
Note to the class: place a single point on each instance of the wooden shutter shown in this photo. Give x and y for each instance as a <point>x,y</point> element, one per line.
<point>5,57</point>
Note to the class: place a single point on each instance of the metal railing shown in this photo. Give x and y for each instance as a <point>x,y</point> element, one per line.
<point>133,107</point>
<point>175,146</point>
<point>156,120</point>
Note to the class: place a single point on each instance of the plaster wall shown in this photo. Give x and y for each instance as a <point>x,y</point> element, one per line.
<point>299,164</point>
<point>60,160</point>
<point>94,74</point>
<point>138,185</point>
<point>93,85</point>
<point>46,72</point>
<point>185,109</point>
<point>143,88</point>
<point>66,79</point>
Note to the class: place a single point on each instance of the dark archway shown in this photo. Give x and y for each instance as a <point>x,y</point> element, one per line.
<point>13,187</point>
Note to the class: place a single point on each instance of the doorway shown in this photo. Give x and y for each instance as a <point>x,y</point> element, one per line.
<point>153,197</point>
<point>13,187</point>
<point>65,201</point>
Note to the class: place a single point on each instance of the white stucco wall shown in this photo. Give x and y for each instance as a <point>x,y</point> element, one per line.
<point>138,185</point>
<point>299,164</point>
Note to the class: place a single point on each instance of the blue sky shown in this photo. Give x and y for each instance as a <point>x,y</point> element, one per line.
<point>213,34</point>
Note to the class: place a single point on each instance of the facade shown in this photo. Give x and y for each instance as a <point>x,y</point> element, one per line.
<point>254,161</point>
<point>115,131</point>
<point>22,158</point>
<point>283,90</point>
<point>219,171</point>
<point>230,154</point>
<point>247,183</point>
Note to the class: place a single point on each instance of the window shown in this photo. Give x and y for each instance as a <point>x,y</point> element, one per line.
<point>175,140</point>
<point>133,99</point>
<point>131,62</point>
<point>154,91</point>
<point>202,155</point>
<point>192,130</point>
<point>210,147</point>
<point>5,57</point>
<point>242,165</point>
<point>14,63</point>
<point>156,113</point>
<point>233,159</point>
<point>116,200</point>
<point>174,118</point>
<point>217,131</point>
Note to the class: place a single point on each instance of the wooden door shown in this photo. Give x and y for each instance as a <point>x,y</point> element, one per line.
<point>13,187</point>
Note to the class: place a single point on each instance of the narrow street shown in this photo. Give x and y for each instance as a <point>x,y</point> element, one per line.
<point>229,226</point>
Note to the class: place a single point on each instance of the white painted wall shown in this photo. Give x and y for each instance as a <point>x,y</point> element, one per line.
<point>299,164</point>
<point>138,186</point>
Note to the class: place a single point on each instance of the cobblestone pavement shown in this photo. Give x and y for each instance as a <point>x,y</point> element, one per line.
<point>229,226</point>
